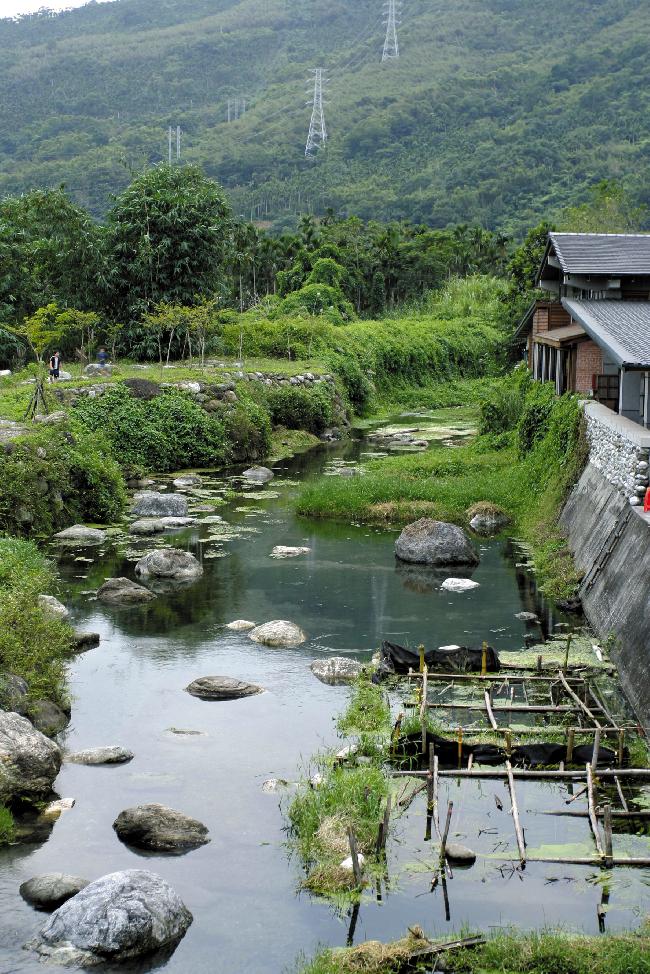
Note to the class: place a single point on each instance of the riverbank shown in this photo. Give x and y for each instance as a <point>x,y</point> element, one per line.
<point>547,953</point>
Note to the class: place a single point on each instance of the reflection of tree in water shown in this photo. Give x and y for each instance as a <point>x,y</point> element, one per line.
<point>222,585</point>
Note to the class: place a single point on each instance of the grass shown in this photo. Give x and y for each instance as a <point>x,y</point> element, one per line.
<point>287,443</point>
<point>544,953</point>
<point>348,797</point>
<point>367,712</point>
<point>7,826</point>
<point>33,645</point>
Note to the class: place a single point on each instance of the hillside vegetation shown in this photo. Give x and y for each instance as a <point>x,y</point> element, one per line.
<point>498,111</point>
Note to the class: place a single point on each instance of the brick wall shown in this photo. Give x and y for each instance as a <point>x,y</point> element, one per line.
<point>589,363</point>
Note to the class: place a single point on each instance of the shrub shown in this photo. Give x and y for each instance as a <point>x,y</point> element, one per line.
<point>165,433</point>
<point>55,477</point>
<point>298,408</point>
<point>32,644</point>
<point>248,429</point>
<point>7,826</point>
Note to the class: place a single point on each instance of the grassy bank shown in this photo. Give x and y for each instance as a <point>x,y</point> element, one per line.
<point>530,452</point>
<point>545,953</point>
<point>33,644</point>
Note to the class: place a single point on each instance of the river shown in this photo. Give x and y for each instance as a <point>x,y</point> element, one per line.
<point>347,594</point>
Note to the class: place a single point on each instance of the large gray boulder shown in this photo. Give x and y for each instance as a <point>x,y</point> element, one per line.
<point>151,503</point>
<point>259,475</point>
<point>160,829</point>
<point>47,717</point>
<point>222,688</point>
<point>83,641</point>
<point>80,534</point>
<point>112,754</point>
<point>51,890</point>
<point>278,633</point>
<point>14,694</point>
<point>487,519</point>
<point>147,526</point>
<point>122,591</point>
<point>169,563</point>
<point>336,670</point>
<point>29,761</point>
<point>124,915</point>
<point>428,542</point>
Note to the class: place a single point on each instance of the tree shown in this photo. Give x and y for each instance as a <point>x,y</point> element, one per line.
<point>610,209</point>
<point>50,327</point>
<point>169,238</point>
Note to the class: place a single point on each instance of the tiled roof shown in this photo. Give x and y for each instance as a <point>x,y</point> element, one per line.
<point>602,253</point>
<point>621,327</point>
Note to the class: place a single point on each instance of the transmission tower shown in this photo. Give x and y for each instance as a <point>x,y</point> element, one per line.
<point>392,9</point>
<point>317,131</point>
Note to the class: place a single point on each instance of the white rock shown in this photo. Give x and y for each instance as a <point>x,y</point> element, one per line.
<point>450,647</point>
<point>458,585</point>
<point>347,752</point>
<point>273,785</point>
<point>347,863</point>
<point>281,551</point>
<point>5,373</point>
<point>316,780</point>
<point>53,608</point>
<point>278,633</point>
<point>240,625</point>
<point>336,670</point>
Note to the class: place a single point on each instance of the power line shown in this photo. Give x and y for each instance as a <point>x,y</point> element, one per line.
<point>392,8</point>
<point>317,131</point>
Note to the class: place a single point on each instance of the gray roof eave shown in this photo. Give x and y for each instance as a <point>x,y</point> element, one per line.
<point>620,355</point>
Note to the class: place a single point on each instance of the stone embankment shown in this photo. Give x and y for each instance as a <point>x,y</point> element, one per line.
<point>620,450</point>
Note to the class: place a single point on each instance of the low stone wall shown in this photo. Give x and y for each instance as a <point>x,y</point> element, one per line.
<point>620,450</point>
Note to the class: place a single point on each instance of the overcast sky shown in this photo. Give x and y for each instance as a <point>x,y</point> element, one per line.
<point>9,8</point>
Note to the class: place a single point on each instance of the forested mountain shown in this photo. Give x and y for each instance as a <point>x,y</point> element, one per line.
<point>497,112</point>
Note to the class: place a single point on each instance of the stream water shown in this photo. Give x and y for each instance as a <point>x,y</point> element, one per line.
<point>348,594</point>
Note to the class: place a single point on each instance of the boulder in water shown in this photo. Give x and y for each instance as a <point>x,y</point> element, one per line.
<point>222,688</point>
<point>487,519</point>
<point>169,563</point>
<point>282,551</point>
<point>240,625</point>
<point>80,534</point>
<point>459,854</point>
<point>29,761</point>
<point>112,754</point>
<point>278,633</point>
<point>260,475</point>
<point>188,481</point>
<point>526,617</point>
<point>47,717</point>
<point>147,526</point>
<point>336,670</point>
<point>122,591</point>
<point>160,829</point>
<point>83,641</point>
<point>51,890</point>
<point>151,503</point>
<point>428,542</point>
<point>120,916</point>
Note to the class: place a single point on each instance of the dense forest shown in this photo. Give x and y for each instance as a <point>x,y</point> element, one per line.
<point>498,112</point>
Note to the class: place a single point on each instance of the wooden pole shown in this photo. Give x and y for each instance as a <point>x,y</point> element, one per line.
<point>572,813</point>
<point>423,712</point>
<point>621,795</point>
<point>356,867</point>
<point>607,825</point>
<point>566,655</point>
<point>443,844</point>
<point>596,751</point>
<point>570,741</point>
<point>484,660</point>
<point>515,815</point>
<point>518,708</point>
<point>593,821</point>
<point>490,713</point>
<point>436,816</point>
<point>577,700</point>
<point>621,747</point>
<point>430,779</point>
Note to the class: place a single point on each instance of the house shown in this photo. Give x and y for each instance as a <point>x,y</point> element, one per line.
<point>591,332</point>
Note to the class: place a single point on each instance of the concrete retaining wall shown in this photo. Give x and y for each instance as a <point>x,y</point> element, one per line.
<point>610,541</point>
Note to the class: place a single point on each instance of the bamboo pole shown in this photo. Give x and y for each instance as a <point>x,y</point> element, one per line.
<point>593,821</point>
<point>570,740</point>
<point>515,815</point>
<point>436,816</point>
<point>576,699</point>
<point>354,854</point>
<point>423,711</point>
<point>490,713</point>
<point>596,751</point>
<point>520,708</point>
<point>621,795</point>
<point>607,826</point>
<point>443,844</point>
<point>496,677</point>
<point>572,813</point>
<point>642,774</point>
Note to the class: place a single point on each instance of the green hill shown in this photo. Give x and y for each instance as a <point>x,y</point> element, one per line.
<point>498,111</point>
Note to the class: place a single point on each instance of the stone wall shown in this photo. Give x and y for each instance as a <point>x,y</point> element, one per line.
<point>620,450</point>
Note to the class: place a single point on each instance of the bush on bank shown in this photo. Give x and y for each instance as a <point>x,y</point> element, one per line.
<point>55,477</point>
<point>33,645</point>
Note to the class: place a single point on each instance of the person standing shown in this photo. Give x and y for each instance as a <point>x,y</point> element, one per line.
<point>55,366</point>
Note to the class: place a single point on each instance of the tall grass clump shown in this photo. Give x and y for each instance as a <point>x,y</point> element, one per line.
<point>33,645</point>
<point>368,711</point>
<point>7,826</point>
